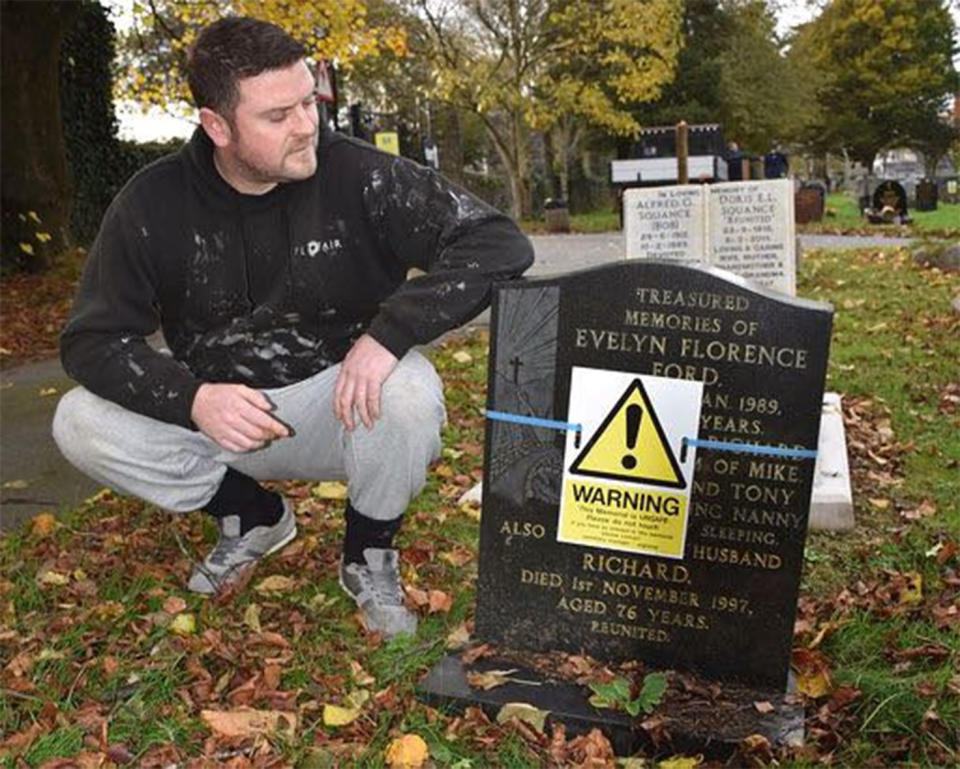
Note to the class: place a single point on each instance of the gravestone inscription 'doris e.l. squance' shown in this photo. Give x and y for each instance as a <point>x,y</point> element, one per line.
<point>616,521</point>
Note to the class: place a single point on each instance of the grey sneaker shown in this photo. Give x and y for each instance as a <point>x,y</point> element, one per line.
<point>232,552</point>
<point>376,589</point>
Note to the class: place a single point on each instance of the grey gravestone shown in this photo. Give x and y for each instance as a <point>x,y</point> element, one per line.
<point>722,605</point>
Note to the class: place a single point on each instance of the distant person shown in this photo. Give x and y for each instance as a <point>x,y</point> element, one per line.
<point>273,254</point>
<point>775,164</point>
<point>734,158</point>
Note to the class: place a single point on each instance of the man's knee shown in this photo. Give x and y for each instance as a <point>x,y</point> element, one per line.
<point>412,396</point>
<point>74,423</point>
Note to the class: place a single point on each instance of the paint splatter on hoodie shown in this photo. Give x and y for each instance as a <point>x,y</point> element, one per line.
<point>267,290</point>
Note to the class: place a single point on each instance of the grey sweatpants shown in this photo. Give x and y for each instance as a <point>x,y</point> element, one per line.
<point>180,469</point>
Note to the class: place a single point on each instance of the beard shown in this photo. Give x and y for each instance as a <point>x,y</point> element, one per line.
<point>297,164</point>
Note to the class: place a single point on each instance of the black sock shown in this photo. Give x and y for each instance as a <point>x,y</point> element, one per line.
<point>364,532</point>
<point>240,495</point>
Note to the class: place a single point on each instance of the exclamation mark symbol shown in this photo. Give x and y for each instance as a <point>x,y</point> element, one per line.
<point>634,415</point>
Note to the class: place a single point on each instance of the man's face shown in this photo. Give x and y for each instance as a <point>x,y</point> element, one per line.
<point>273,133</point>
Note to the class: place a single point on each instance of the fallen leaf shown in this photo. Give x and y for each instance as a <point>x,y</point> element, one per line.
<point>20,665</point>
<point>490,679</point>
<point>330,490</point>
<point>319,758</point>
<point>440,602</point>
<point>462,356</point>
<point>407,752</point>
<point>949,549</point>
<point>250,723</point>
<point>461,556</point>
<point>471,510</point>
<point>42,524</point>
<point>525,712</point>
<point>53,578</point>
<point>458,637</point>
<point>174,605</point>
<point>417,596</point>
<point>680,762</point>
<point>334,715</point>
<point>358,699</point>
<point>764,707</point>
<point>47,391</point>
<point>251,617</point>
<point>361,676</point>
<point>813,672</point>
<point>880,504</point>
<point>924,510</point>
<point>472,655</point>
<point>913,590</point>
<point>276,583</point>
<point>953,685</point>
<point>184,624</point>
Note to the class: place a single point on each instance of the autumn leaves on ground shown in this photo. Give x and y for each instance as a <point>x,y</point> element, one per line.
<point>108,661</point>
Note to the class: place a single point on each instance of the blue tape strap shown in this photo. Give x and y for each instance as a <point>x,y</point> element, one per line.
<point>751,448</point>
<point>505,416</point>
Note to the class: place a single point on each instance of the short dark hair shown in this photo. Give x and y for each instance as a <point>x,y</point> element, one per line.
<point>231,49</point>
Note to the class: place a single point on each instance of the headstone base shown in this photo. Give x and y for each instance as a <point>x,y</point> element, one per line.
<point>831,503</point>
<point>712,726</point>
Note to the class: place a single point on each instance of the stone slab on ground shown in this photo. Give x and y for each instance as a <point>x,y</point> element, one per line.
<point>714,729</point>
<point>831,506</point>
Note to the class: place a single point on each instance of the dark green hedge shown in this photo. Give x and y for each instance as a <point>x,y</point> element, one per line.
<point>100,163</point>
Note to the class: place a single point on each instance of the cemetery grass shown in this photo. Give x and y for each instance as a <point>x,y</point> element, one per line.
<point>600,220</point>
<point>106,658</point>
<point>843,217</point>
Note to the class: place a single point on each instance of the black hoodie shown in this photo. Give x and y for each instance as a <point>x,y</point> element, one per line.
<point>267,290</point>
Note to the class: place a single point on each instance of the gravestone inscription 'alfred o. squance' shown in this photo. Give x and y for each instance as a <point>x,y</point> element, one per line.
<point>619,525</point>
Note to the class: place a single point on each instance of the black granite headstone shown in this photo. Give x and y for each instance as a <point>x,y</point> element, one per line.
<point>890,195</point>
<point>719,598</point>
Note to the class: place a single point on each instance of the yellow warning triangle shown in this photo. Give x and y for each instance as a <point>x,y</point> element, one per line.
<point>630,445</point>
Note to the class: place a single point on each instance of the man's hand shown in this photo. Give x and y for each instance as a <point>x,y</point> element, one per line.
<point>362,374</point>
<point>235,416</point>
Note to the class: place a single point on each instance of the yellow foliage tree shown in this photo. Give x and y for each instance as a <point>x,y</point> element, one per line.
<point>549,65</point>
<point>154,51</point>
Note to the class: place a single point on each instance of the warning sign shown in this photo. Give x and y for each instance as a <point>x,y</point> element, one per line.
<point>630,445</point>
<point>633,430</point>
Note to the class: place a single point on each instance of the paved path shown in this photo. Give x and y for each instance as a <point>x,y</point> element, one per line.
<point>34,477</point>
<point>563,253</point>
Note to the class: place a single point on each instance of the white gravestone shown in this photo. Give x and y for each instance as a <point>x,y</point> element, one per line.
<point>665,223</point>
<point>745,227</point>
<point>751,232</point>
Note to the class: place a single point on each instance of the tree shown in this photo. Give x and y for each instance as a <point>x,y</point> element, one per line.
<point>754,79</point>
<point>154,51</point>
<point>36,186</point>
<point>522,65</point>
<point>884,62</point>
<point>934,136</point>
